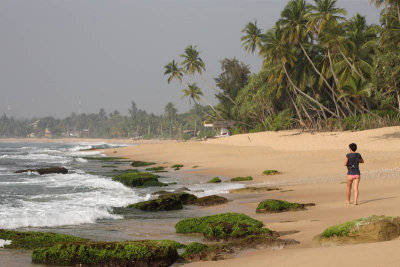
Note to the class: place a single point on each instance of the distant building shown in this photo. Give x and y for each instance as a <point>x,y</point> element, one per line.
<point>47,133</point>
<point>221,127</point>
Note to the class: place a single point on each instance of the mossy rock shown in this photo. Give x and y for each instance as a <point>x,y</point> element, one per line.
<point>194,249</point>
<point>271,172</point>
<point>177,167</point>
<point>165,202</point>
<point>214,180</point>
<point>135,179</point>
<point>32,240</point>
<point>128,253</point>
<point>210,201</point>
<point>222,226</point>
<point>274,205</point>
<point>239,179</point>
<point>253,190</point>
<point>138,163</point>
<point>156,169</point>
<point>364,230</point>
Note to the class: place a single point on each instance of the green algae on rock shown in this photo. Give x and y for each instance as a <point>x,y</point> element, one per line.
<point>193,249</point>
<point>363,230</point>
<point>105,158</point>
<point>177,167</point>
<point>32,240</point>
<point>214,180</point>
<point>238,179</point>
<point>128,253</point>
<point>156,169</point>
<point>274,206</point>
<point>135,179</point>
<point>271,172</point>
<point>222,226</point>
<point>253,190</point>
<point>138,163</point>
<point>209,201</point>
<point>167,201</point>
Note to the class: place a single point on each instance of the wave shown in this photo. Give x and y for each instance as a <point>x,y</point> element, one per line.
<point>4,242</point>
<point>38,157</point>
<point>77,199</point>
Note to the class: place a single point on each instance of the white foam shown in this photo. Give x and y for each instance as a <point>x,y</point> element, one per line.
<point>214,189</point>
<point>72,208</point>
<point>81,160</point>
<point>38,158</point>
<point>4,243</point>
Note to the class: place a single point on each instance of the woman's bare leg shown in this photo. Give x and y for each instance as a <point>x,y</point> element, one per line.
<point>349,184</point>
<point>356,183</point>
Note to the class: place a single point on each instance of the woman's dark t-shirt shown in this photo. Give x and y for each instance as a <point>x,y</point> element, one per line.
<point>352,163</point>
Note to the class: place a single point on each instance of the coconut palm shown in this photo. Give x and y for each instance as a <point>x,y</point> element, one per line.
<point>252,38</point>
<point>356,89</point>
<point>324,13</point>
<point>192,63</point>
<point>174,71</point>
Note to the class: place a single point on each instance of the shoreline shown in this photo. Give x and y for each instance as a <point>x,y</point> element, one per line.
<point>308,175</point>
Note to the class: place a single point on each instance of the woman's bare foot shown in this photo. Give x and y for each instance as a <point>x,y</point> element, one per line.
<point>355,203</point>
<point>347,202</point>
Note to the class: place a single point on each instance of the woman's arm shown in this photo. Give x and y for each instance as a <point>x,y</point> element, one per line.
<point>361,160</point>
<point>346,161</point>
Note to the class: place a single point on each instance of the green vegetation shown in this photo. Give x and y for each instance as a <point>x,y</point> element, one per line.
<point>270,172</point>
<point>177,167</point>
<point>273,205</point>
<point>214,180</point>
<point>135,179</point>
<point>238,179</point>
<point>108,166</point>
<point>195,166</point>
<point>166,201</point>
<point>139,163</point>
<point>156,169</point>
<point>346,228</point>
<point>222,226</point>
<point>105,158</point>
<point>31,240</point>
<point>194,248</point>
<point>142,253</point>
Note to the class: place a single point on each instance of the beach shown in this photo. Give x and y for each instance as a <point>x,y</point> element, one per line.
<point>311,166</point>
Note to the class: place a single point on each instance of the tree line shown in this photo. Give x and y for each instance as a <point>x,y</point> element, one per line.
<point>320,71</point>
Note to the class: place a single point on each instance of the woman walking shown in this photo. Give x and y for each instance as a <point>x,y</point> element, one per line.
<point>353,159</point>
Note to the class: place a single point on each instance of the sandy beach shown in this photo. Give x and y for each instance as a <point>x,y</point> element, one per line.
<point>312,171</point>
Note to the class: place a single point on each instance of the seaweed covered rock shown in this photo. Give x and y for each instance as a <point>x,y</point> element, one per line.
<point>43,171</point>
<point>271,172</point>
<point>209,201</point>
<point>166,201</point>
<point>128,253</point>
<point>214,180</point>
<point>222,226</point>
<point>253,190</point>
<point>194,249</point>
<point>239,179</point>
<point>135,179</point>
<point>138,163</point>
<point>177,167</point>
<point>364,230</point>
<point>156,169</point>
<point>274,205</point>
<point>31,240</point>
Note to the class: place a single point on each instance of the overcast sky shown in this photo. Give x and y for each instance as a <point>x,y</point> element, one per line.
<point>55,54</point>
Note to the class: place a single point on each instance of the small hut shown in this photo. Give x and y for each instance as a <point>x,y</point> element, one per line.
<point>221,127</point>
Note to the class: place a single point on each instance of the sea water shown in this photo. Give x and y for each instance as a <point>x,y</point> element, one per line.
<point>85,196</point>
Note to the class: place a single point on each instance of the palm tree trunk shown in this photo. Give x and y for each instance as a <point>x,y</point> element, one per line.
<point>215,89</point>
<point>307,96</point>
<point>351,66</point>
<point>297,111</point>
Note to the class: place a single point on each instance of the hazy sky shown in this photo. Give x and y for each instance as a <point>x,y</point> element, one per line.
<point>55,54</point>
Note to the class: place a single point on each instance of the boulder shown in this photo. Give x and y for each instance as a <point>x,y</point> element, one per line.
<point>42,171</point>
<point>364,230</point>
<point>274,206</point>
<point>209,201</point>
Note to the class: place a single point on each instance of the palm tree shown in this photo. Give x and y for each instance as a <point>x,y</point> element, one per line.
<point>388,3</point>
<point>192,62</point>
<point>172,69</point>
<point>252,38</point>
<point>356,89</point>
<point>170,113</point>
<point>324,13</point>
<point>195,94</point>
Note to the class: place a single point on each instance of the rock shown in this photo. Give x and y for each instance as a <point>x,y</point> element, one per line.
<point>210,201</point>
<point>253,190</point>
<point>143,253</point>
<point>364,230</point>
<point>135,179</point>
<point>274,206</point>
<point>214,180</point>
<point>166,201</point>
<point>42,171</point>
<point>182,189</point>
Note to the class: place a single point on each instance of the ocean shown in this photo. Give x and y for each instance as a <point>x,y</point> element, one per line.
<point>86,202</point>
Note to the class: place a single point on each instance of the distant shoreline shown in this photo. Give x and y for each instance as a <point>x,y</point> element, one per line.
<point>83,140</point>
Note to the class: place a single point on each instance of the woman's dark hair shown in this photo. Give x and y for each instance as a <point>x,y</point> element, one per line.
<point>353,147</point>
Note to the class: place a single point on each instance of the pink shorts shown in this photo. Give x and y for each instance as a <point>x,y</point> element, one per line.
<point>354,176</point>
